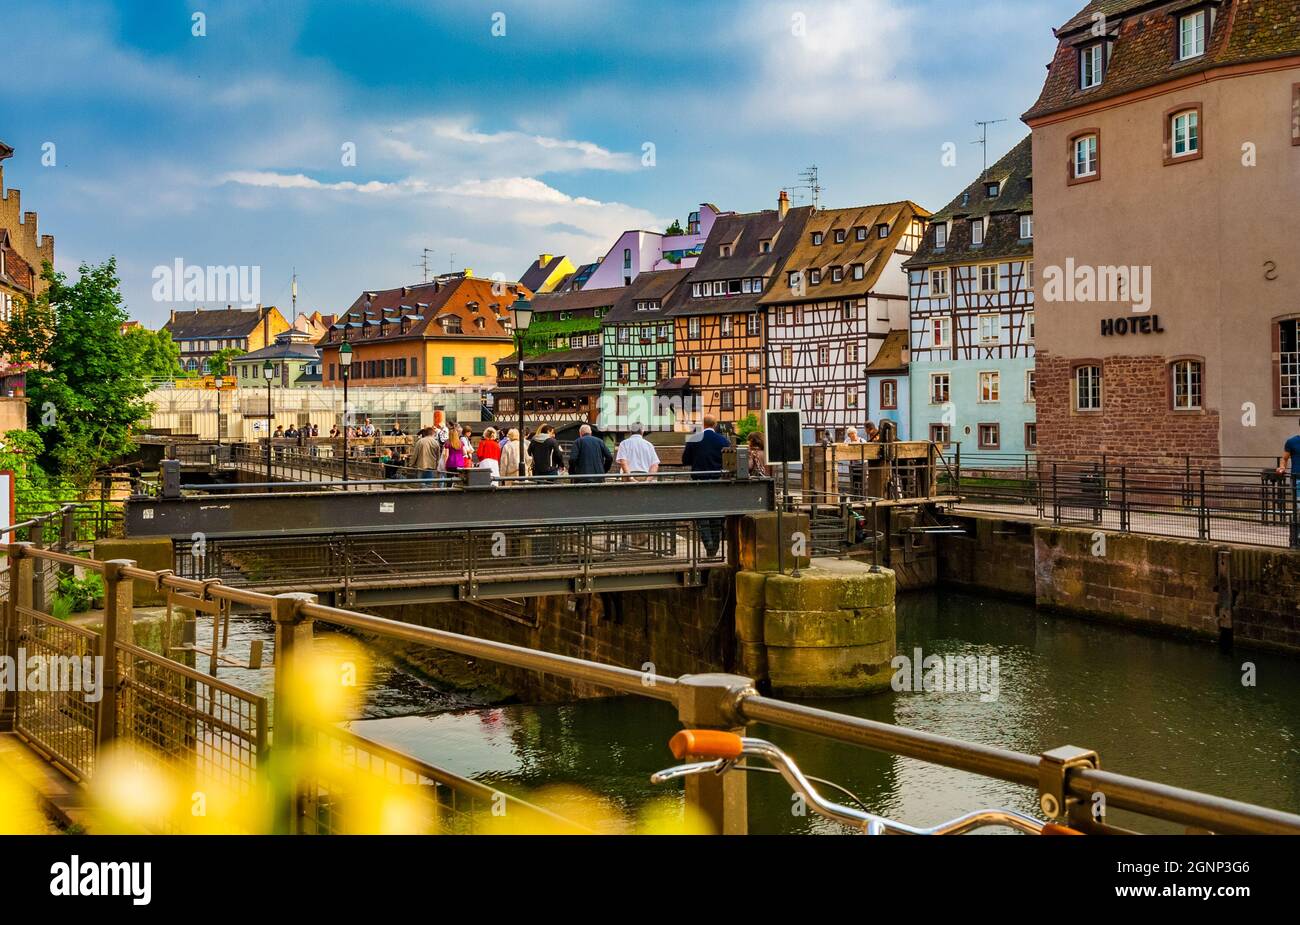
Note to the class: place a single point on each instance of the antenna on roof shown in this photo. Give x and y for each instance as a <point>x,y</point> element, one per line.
<point>983,141</point>
<point>293,292</point>
<point>425,254</point>
<point>810,183</point>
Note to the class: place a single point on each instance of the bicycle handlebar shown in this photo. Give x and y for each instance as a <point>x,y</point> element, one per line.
<point>726,748</point>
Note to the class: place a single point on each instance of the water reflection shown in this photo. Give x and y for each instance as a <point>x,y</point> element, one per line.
<point>1173,710</point>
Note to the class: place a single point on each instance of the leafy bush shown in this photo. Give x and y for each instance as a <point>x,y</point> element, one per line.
<point>80,593</point>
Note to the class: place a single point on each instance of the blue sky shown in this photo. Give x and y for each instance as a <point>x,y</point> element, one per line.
<point>227,149</point>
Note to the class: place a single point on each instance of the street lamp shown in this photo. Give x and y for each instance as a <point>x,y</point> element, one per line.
<point>345,364</point>
<point>268,373</point>
<point>217,383</point>
<point>522,311</point>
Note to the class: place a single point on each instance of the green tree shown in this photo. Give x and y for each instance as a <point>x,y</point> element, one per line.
<point>675,228</point>
<point>219,362</point>
<point>85,386</point>
<point>746,426</point>
<point>157,355</point>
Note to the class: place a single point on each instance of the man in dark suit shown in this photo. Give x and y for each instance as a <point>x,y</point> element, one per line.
<point>589,455</point>
<point>703,453</point>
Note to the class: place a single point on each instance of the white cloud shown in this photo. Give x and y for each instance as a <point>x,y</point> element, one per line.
<point>437,140</point>
<point>835,62</point>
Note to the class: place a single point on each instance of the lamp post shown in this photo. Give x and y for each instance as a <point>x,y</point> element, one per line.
<point>345,364</point>
<point>268,373</point>
<point>217,383</point>
<point>522,311</point>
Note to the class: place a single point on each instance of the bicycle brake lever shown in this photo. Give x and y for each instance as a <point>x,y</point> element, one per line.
<point>686,770</point>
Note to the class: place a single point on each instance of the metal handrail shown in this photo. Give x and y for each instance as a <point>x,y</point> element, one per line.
<point>1121,791</point>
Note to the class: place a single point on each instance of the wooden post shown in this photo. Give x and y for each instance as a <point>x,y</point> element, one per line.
<point>708,701</point>
<point>22,570</point>
<point>293,644</point>
<point>119,614</point>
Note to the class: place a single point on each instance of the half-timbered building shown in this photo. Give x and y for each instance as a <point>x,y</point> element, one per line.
<point>717,316</point>
<point>839,294</point>
<point>637,355</point>
<point>560,388</point>
<point>970,290</point>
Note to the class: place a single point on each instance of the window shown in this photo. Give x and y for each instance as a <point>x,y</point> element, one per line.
<point>851,352</point>
<point>941,333</point>
<point>1086,164</point>
<point>727,400</point>
<point>719,287</point>
<point>765,246</point>
<point>627,258</point>
<point>746,285</point>
<point>938,283</point>
<point>860,234</point>
<point>1191,35</point>
<point>847,310</point>
<point>1030,394</point>
<point>859,271</point>
<point>754,399</point>
<point>1027,226</point>
<point>819,398</point>
<point>1087,388</point>
<point>991,190</point>
<point>695,290</point>
<point>814,277</point>
<point>449,366</point>
<point>787,356</point>
<point>1031,436</point>
<point>724,325</point>
<point>990,436</point>
<point>1183,135</point>
<point>754,324</point>
<point>824,355</point>
<point>939,391</point>
<point>725,250</point>
<point>1287,338</point>
<point>837,274</point>
<point>940,433</point>
<point>754,361</point>
<point>480,366</point>
<point>817,237</point>
<point>1187,376</point>
<point>693,328</point>
<point>787,399</point>
<point>990,386</point>
<point>940,235</point>
<point>990,329</point>
<point>882,230</point>
<point>888,394</point>
<point>415,366</point>
<point>693,363</point>
<point>840,235</point>
<point>1029,273</point>
<point>1029,326</point>
<point>976,231</point>
<point>1090,66</point>
<point>851,398</point>
<point>989,278</point>
<point>726,362</point>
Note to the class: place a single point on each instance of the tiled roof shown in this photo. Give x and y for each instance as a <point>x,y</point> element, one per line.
<point>652,284</point>
<point>575,299</point>
<point>218,322</point>
<point>539,272</point>
<point>18,272</point>
<point>466,297</point>
<point>745,232</point>
<point>580,355</point>
<point>873,252</point>
<point>889,359</point>
<point>1013,173</point>
<point>281,351</point>
<point>1144,47</point>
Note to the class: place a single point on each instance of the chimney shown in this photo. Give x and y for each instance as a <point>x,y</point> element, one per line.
<point>544,259</point>
<point>173,321</point>
<point>783,204</point>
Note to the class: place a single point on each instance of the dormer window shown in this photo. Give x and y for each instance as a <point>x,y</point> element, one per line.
<point>840,235</point>
<point>765,246</point>
<point>837,274</point>
<point>1091,66</point>
<point>882,230</point>
<point>859,271</point>
<point>860,234</point>
<point>992,189</point>
<point>725,250</point>
<point>817,237</point>
<point>1191,35</point>
<point>814,277</point>
<point>1026,226</point>
<point>940,235</point>
<point>976,231</point>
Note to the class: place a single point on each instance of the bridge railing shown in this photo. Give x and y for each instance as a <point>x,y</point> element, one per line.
<point>1226,499</point>
<point>1065,777</point>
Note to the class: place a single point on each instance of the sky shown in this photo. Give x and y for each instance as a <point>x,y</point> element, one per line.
<point>340,139</point>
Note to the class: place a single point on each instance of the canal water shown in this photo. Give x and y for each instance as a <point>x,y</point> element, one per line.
<point>1171,710</point>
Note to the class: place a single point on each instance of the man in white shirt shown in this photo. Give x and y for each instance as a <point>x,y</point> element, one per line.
<point>636,455</point>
